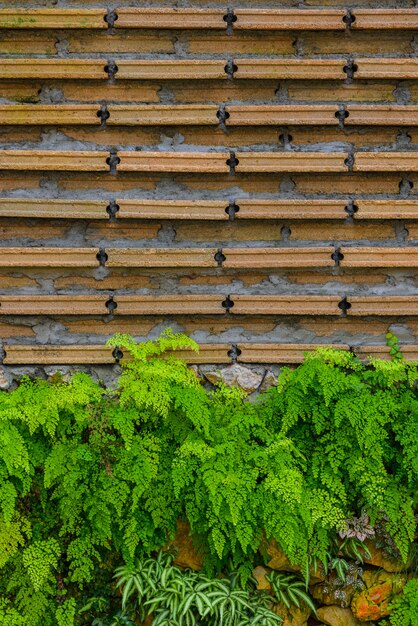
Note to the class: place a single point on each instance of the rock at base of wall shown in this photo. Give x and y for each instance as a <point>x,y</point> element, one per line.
<point>236,375</point>
<point>337,616</point>
<point>5,379</point>
<point>373,602</point>
<point>293,616</point>
<point>186,553</point>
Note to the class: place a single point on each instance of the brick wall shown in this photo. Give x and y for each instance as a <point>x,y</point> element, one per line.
<point>245,175</point>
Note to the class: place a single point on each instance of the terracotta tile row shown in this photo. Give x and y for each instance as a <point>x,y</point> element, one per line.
<point>294,353</point>
<point>281,353</point>
<point>210,210</point>
<point>99,354</point>
<point>208,114</point>
<point>208,305</point>
<point>185,18</point>
<point>169,305</point>
<point>207,162</point>
<point>207,209</point>
<point>203,69</point>
<point>228,258</point>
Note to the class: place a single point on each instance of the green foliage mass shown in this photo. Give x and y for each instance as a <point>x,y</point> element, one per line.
<point>91,477</point>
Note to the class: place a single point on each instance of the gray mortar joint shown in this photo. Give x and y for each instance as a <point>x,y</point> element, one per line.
<point>102,257</point>
<point>228,304</point>
<point>230,68</point>
<point>350,160</point>
<point>344,305</point>
<point>232,162</point>
<point>113,161</point>
<point>351,209</point>
<point>349,19</point>
<point>230,18</point>
<point>223,115</point>
<point>104,114</point>
<point>117,354</point>
<point>111,306</point>
<point>234,352</point>
<point>219,257</point>
<point>111,70</point>
<point>232,209</point>
<point>337,256</point>
<point>110,18</point>
<point>342,115</point>
<point>350,68</point>
<point>112,210</point>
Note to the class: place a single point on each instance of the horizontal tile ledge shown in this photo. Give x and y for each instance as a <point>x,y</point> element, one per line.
<point>54,208</point>
<point>281,353</point>
<point>170,305</point>
<point>59,69</point>
<point>410,352</point>
<point>206,114</point>
<point>196,18</point>
<point>304,114</point>
<point>125,305</point>
<point>247,19</point>
<point>315,69</point>
<point>284,305</point>
<point>154,114</point>
<point>307,209</point>
<point>384,67</point>
<point>173,209</point>
<point>291,162</point>
<point>217,210</point>
<point>119,115</point>
<point>48,257</point>
<point>49,114</point>
<point>290,209</point>
<point>247,161</point>
<point>56,18</point>
<point>325,19</point>
<point>289,19</point>
<point>183,304</point>
<point>405,257</point>
<point>53,305</point>
<point>234,257</point>
<point>207,162</point>
<point>171,69</point>
<point>278,257</point>
<point>54,160</point>
<point>385,19</point>
<point>58,355</point>
<point>324,305</point>
<point>204,69</point>
<point>381,115</point>
<point>161,257</point>
<point>169,257</point>
<point>124,209</point>
<point>383,305</point>
<point>386,209</point>
<point>386,162</point>
<point>173,162</point>
<point>170,17</point>
<point>268,353</point>
<point>294,353</point>
<point>212,304</point>
<point>99,354</point>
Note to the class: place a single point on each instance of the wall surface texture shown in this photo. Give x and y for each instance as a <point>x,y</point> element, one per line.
<point>245,174</point>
